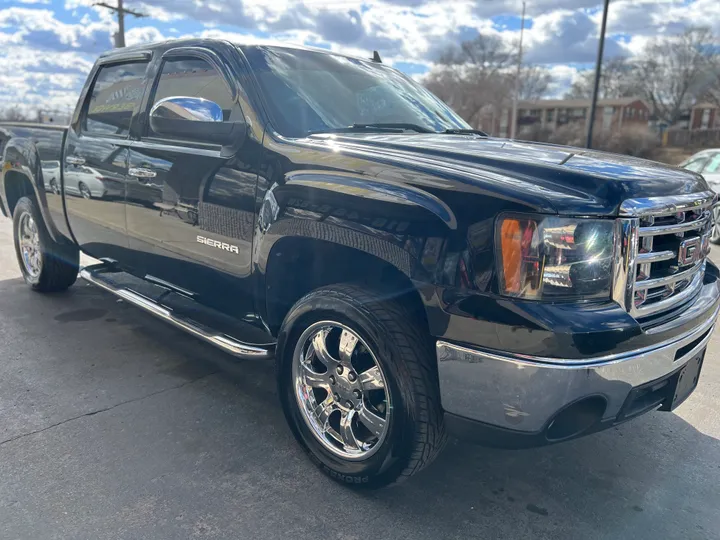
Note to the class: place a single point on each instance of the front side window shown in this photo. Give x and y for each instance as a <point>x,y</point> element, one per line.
<point>713,165</point>
<point>308,91</point>
<point>195,77</point>
<point>117,89</point>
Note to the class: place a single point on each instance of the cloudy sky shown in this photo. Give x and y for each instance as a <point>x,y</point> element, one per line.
<point>48,46</point>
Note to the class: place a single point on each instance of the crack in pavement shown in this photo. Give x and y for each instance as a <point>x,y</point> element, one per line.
<point>93,413</point>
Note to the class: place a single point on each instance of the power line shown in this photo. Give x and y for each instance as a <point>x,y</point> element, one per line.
<point>121,11</point>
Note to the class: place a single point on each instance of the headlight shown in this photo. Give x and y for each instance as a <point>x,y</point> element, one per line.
<point>553,258</point>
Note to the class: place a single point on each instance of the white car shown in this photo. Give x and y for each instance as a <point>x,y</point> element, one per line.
<point>90,184</point>
<point>707,163</point>
<point>51,175</point>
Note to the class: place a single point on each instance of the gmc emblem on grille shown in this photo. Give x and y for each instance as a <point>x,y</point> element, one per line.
<point>690,251</point>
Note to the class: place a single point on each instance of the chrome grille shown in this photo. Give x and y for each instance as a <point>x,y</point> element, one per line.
<point>661,257</point>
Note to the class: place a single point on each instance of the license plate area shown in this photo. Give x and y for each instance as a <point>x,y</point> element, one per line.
<point>664,394</point>
<point>688,378</point>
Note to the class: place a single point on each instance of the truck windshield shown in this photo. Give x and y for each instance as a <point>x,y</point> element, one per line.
<point>310,92</point>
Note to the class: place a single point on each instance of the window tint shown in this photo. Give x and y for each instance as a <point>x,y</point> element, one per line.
<point>714,165</point>
<point>194,77</point>
<point>117,89</point>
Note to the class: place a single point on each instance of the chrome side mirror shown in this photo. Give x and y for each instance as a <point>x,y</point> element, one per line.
<point>194,119</point>
<point>194,109</point>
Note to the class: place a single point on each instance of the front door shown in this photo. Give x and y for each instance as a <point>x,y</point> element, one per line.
<point>95,160</point>
<point>190,205</point>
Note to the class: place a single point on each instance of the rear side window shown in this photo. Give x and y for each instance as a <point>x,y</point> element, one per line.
<point>118,88</point>
<point>195,77</point>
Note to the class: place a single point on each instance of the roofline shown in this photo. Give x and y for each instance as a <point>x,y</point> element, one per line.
<point>185,42</point>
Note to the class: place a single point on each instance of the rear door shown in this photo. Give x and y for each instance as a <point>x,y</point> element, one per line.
<point>190,207</point>
<point>96,159</point>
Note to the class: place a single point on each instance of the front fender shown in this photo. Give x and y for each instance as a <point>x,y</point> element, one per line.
<point>397,223</point>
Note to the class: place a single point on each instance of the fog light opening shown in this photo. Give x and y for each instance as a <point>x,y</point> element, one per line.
<point>576,419</point>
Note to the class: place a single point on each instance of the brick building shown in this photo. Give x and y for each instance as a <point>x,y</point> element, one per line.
<point>549,114</point>
<point>704,115</point>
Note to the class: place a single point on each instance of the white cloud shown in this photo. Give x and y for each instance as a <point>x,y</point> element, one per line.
<point>143,34</point>
<point>40,29</point>
<point>44,57</point>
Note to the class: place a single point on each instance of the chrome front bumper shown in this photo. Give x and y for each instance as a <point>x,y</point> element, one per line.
<point>523,394</point>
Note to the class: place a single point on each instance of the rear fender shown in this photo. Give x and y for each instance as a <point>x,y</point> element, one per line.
<point>21,163</point>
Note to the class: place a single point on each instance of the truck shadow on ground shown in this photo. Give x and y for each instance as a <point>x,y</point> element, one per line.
<point>654,477</point>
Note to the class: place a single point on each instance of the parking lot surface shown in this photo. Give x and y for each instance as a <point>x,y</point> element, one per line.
<point>115,425</point>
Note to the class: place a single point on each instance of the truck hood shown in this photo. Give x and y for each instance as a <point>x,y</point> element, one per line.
<point>548,178</point>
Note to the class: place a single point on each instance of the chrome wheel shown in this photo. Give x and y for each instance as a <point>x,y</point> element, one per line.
<point>341,390</point>
<point>715,233</point>
<point>29,242</point>
<point>85,191</point>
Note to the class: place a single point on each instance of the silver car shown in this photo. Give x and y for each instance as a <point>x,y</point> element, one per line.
<point>51,175</point>
<point>89,183</point>
<point>707,163</point>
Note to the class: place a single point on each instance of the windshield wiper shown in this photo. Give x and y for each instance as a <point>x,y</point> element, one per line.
<point>356,127</point>
<point>465,132</point>
<point>394,125</point>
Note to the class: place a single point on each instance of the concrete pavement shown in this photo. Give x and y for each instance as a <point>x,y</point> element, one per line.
<point>115,425</point>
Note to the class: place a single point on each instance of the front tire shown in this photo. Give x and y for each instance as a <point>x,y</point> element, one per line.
<point>45,265</point>
<point>358,385</point>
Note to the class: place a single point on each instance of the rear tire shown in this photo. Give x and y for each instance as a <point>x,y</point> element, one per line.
<point>45,265</point>
<point>383,333</point>
<point>84,191</point>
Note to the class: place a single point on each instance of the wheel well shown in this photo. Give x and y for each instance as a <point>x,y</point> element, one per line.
<point>17,185</point>
<point>297,266</point>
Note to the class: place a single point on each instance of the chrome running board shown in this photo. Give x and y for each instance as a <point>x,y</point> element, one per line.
<point>229,344</point>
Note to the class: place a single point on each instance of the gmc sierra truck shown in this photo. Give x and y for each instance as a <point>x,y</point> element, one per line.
<point>410,276</point>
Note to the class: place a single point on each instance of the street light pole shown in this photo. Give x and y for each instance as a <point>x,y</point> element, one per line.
<point>513,124</point>
<point>598,71</point>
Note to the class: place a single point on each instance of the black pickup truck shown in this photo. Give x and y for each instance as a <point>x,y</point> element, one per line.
<point>409,275</point>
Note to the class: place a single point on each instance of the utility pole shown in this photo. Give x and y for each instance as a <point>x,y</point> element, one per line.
<point>513,125</point>
<point>121,11</point>
<point>598,71</point>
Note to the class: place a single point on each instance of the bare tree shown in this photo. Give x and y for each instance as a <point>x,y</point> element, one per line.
<point>12,114</point>
<point>534,82</point>
<point>476,78</point>
<point>673,71</point>
<point>710,89</point>
<point>618,79</point>
<point>488,53</point>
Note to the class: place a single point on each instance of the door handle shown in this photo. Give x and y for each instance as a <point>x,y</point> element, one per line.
<point>140,172</point>
<point>75,160</point>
